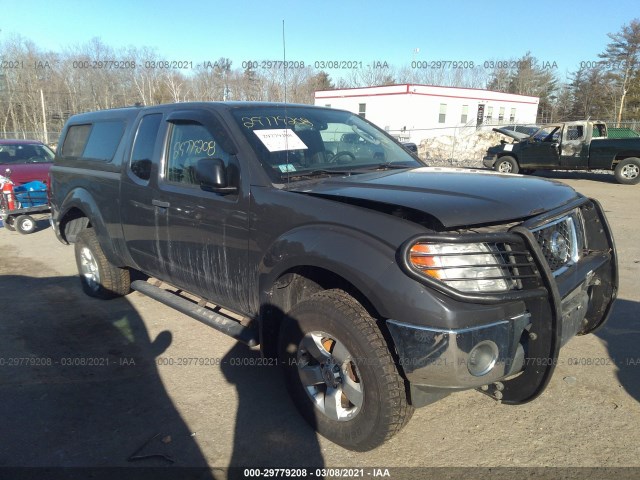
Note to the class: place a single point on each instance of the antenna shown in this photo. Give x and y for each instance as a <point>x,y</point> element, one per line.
<point>284,74</point>
<point>284,69</point>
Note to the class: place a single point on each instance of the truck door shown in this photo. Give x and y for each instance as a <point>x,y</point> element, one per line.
<point>542,149</point>
<point>207,233</point>
<point>142,220</point>
<point>574,150</point>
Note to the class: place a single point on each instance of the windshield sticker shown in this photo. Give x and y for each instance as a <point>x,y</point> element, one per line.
<point>275,121</point>
<point>508,147</point>
<point>278,140</point>
<point>286,167</point>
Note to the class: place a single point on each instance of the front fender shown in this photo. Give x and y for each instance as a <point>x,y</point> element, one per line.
<point>358,258</point>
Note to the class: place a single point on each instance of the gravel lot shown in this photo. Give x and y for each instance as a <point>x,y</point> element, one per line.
<point>103,378</point>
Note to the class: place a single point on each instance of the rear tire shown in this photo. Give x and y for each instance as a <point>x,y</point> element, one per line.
<point>99,278</point>
<point>340,373</point>
<point>628,171</point>
<point>24,224</point>
<point>506,165</point>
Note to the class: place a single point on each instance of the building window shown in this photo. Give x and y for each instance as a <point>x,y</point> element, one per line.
<point>465,114</point>
<point>501,115</point>
<point>489,117</point>
<point>512,115</point>
<point>443,113</point>
<point>362,109</point>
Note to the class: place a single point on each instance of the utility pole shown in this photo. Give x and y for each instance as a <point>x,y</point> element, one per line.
<point>44,118</point>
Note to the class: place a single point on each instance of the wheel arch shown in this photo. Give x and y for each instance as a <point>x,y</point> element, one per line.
<point>510,155</point>
<point>295,285</point>
<point>343,259</point>
<point>79,211</point>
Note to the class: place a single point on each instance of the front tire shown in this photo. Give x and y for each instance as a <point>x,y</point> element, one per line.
<point>99,278</point>
<point>340,373</point>
<point>628,171</point>
<point>506,165</point>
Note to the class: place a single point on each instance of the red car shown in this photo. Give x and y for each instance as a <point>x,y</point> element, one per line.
<point>28,160</point>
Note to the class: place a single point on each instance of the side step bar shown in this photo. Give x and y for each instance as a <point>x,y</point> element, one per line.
<point>220,322</point>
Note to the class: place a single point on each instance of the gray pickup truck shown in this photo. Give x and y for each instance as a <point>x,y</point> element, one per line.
<point>377,283</point>
<point>567,146</point>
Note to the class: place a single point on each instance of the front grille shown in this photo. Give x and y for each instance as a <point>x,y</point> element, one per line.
<point>560,241</point>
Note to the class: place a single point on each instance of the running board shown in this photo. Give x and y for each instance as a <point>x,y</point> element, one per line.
<point>219,321</point>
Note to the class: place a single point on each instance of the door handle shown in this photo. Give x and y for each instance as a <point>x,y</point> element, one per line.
<point>160,203</point>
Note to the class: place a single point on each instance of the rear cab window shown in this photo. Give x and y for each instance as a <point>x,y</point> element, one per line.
<point>97,141</point>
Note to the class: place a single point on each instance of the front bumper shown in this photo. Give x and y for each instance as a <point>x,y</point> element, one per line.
<point>513,358</point>
<point>489,160</point>
<point>450,358</point>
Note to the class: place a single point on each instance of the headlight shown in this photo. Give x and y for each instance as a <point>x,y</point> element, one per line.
<point>468,267</point>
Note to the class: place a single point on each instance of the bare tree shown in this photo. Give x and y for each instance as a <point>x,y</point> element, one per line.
<point>622,61</point>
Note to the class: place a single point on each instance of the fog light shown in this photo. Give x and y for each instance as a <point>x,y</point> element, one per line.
<point>482,358</point>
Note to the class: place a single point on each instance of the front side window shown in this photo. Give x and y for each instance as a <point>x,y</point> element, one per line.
<point>575,132</point>
<point>189,143</point>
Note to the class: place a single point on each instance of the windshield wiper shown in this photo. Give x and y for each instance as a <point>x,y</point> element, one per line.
<point>384,166</point>
<point>321,171</point>
<point>316,173</point>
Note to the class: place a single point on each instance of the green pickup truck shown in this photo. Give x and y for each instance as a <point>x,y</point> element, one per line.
<point>580,145</point>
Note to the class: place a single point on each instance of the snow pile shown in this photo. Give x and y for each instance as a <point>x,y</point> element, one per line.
<point>465,149</point>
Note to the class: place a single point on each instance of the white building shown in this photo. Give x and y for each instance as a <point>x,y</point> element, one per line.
<point>413,112</point>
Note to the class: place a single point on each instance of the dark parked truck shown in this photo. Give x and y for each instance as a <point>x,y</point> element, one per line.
<point>567,146</point>
<point>377,283</point>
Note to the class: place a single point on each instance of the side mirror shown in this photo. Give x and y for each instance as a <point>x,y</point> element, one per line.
<point>211,173</point>
<point>142,168</point>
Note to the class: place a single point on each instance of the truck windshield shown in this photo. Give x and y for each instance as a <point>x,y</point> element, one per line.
<point>297,142</point>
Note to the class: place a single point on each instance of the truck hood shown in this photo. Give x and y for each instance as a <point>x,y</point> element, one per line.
<point>454,197</point>
<point>512,133</point>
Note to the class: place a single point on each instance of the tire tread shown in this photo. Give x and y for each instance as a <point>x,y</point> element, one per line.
<point>399,411</point>
<point>114,281</point>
